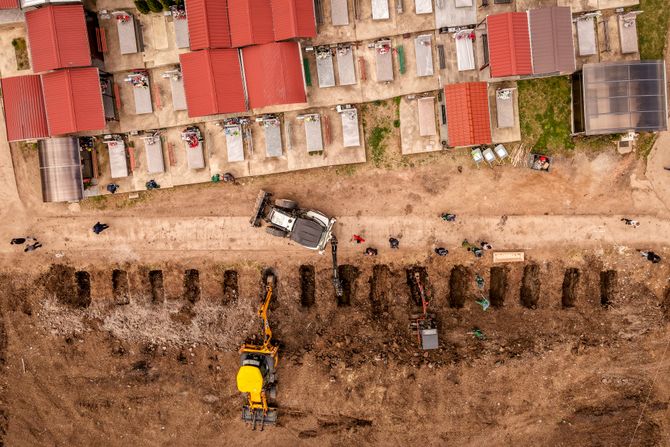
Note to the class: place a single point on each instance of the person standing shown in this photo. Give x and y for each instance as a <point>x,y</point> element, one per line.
<point>441,251</point>
<point>394,243</point>
<point>357,239</point>
<point>32,247</point>
<point>631,222</point>
<point>370,251</point>
<point>99,227</point>
<point>651,256</point>
<point>18,241</point>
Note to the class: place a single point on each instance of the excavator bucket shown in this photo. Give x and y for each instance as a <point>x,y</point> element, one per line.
<point>259,209</point>
<point>257,419</point>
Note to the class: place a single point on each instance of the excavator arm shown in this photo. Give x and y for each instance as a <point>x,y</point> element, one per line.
<point>337,283</point>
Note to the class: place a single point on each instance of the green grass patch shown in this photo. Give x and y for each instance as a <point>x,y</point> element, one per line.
<point>645,143</point>
<point>652,28</point>
<point>396,123</point>
<point>545,113</point>
<point>376,143</point>
<point>21,52</point>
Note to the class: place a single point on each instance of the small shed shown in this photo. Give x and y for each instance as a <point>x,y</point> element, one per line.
<point>339,12</point>
<point>234,142</point>
<point>313,135</point>
<point>118,159</point>
<point>293,19</point>
<point>25,115</point>
<point>586,35</point>
<point>345,65</point>
<point>350,128</point>
<point>380,9</point>
<point>423,6</point>
<point>384,60</point>
<point>465,49</point>
<point>426,108</point>
<point>273,144</point>
<point>324,67</point>
<point>154,151</point>
<point>126,27</point>
<point>60,170</point>
<point>468,118</point>
<point>424,55</point>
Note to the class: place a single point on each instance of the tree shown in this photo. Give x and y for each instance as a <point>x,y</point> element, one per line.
<point>167,3</point>
<point>142,6</point>
<point>154,5</point>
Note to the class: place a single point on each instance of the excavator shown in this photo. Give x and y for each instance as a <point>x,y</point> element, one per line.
<point>424,323</point>
<point>256,376</point>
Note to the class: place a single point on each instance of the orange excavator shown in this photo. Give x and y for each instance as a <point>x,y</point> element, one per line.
<point>256,376</point>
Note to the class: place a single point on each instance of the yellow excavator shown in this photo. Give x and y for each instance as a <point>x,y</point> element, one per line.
<point>256,376</point>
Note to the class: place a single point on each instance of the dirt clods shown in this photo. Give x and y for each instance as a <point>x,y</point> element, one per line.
<point>230,287</point>
<point>530,286</point>
<point>498,286</point>
<point>307,285</point>
<point>608,286</point>
<point>192,285</point>
<point>83,280</point>
<point>120,287</point>
<point>570,281</point>
<point>458,286</point>
<point>157,287</point>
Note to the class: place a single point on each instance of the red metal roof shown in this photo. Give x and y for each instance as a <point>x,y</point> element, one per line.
<point>9,4</point>
<point>509,44</point>
<point>250,22</point>
<point>293,18</point>
<point>73,100</point>
<point>274,74</point>
<point>208,25</point>
<point>57,37</point>
<point>468,119</point>
<point>25,118</point>
<point>213,82</point>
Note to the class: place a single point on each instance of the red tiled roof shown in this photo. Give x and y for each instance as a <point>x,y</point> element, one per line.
<point>57,37</point>
<point>213,82</point>
<point>73,100</point>
<point>25,118</point>
<point>293,18</point>
<point>208,25</point>
<point>250,22</point>
<point>274,74</point>
<point>468,119</point>
<point>509,44</point>
<point>9,4</point>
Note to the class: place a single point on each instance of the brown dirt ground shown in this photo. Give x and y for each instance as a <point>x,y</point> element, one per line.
<point>147,373</point>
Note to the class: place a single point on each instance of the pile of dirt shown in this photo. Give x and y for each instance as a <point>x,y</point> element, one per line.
<point>348,275</point>
<point>59,283</point>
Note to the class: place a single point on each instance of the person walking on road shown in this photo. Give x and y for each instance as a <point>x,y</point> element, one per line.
<point>99,227</point>
<point>448,217</point>
<point>441,251</point>
<point>631,222</point>
<point>651,256</point>
<point>370,251</point>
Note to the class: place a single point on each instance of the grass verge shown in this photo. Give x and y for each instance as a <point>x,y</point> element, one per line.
<point>652,28</point>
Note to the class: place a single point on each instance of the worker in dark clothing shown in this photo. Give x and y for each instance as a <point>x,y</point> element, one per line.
<point>370,251</point>
<point>441,251</point>
<point>32,247</point>
<point>651,256</point>
<point>18,241</point>
<point>99,227</point>
<point>485,245</point>
<point>394,243</point>
<point>449,217</point>
<point>112,187</point>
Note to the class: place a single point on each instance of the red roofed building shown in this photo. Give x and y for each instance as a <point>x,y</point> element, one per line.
<point>9,4</point>
<point>208,25</point>
<point>213,82</point>
<point>509,44</point>
<point>293,18</point>
<point>25,118</point>
<point>250,22</point>
<point>57,37</point>
<point>274,74</point>
<point>468,118</point>
<point>73,100</point>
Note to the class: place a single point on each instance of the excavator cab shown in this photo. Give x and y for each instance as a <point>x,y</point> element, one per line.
<point>256,376</point>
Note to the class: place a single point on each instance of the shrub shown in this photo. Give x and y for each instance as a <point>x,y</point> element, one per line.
<point>154,5</point>
<point>142,6</point>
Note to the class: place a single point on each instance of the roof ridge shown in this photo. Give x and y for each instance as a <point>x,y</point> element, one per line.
<point>53,24</point>
<point>212,81</point>
<point>554,41</point>
<point>510,36</point>
<point>68,84</point>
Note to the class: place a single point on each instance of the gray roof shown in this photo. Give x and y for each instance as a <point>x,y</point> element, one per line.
<point>551,40</point>
<point>623,96</point>
<point>60,170</point>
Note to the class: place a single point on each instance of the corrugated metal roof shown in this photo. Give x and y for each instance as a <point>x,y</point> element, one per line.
<point>293,18</point>
<point>60,170</point>
<point>57,37</point>
<point>73,100</point>
<point>468,119</point>
<point>25,117</point>
<point>208,25</point>
<point>274,74</point>
<point>509,44</point>
<point>250,22</point>
<point>9,4</point>
<point>213,82</point>
<point>551,37</point>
